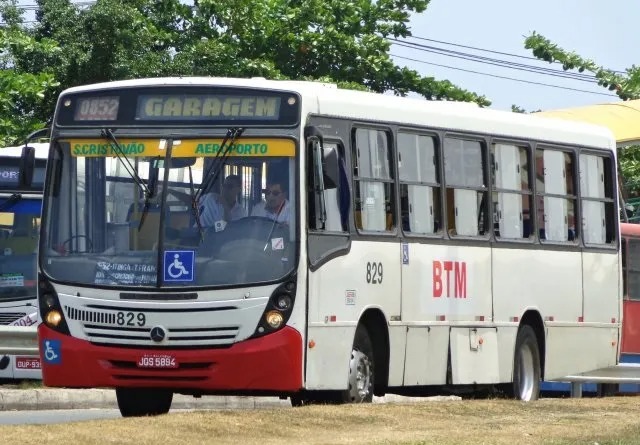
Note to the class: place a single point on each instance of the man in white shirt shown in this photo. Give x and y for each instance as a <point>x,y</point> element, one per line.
<point>275,206</point>
<point>216,210</point>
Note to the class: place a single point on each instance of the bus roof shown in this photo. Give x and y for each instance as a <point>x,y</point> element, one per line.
<point>42,150</point>
<point>327,99</point>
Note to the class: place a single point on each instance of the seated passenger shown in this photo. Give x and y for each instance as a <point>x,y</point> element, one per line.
<point>275,206</point>
<point>216,210</point>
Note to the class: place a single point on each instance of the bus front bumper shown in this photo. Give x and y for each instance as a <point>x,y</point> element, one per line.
<point>269,364</point>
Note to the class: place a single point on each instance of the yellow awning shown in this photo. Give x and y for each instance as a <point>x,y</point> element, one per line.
<point>622,118</point>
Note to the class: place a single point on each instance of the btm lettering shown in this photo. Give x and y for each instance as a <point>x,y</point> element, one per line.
<point>451,269</point>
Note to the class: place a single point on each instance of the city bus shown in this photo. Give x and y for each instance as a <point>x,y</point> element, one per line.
<point>212,236</point>
<point>20,206</point>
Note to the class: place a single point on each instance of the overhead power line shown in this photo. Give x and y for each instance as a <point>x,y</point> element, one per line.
<point>502,77</point>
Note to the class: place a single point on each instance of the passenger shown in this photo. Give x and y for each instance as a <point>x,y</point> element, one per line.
<point>276,205</point>
<point>216,210</point>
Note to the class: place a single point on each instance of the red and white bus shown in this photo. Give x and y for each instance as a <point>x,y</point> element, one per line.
<point>20,207</point>
<point>246,236</point>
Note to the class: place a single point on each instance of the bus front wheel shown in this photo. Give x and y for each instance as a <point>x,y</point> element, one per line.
<point>526,366</point>
<point>361,369</point>
<point>137,402</point>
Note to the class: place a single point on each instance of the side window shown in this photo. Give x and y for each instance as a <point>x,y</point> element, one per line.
<point>373,181</point>
<point>335,198</point>
<point>419,184</point>
<point>512,191</point>
<point>633,269</point>
<point>466,193</point>
<point>555,195</point>
<point>596,191</point>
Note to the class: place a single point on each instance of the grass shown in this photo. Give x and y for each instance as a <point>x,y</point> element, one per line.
<point>603,421</point>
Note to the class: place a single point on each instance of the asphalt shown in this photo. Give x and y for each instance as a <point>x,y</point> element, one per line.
<point>53,399</point>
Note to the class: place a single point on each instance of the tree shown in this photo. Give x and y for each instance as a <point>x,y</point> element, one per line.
<point>20,92</point>
<point>626,86</point>
<point>329,40</point>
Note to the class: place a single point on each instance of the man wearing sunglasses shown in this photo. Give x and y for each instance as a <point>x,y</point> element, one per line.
<point>275,206</point>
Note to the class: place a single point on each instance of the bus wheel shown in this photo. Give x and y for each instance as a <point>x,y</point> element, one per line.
<point>136,402</point>
<point>361,369</point>
<point>526,366</point>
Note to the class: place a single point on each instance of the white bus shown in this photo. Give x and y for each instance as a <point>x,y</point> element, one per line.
<point>294,239</point>
<point>20,207</point>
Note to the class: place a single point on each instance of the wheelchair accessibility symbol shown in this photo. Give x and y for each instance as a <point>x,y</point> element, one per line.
<point>51,350</point>
<point>178,265</point>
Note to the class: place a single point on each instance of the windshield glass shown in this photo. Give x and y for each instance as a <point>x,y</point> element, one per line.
<point>19,226</point>
<point>201,219</point>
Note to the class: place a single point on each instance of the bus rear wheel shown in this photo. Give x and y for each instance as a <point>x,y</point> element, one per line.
<point>137,402</point>
<point>526,366</point>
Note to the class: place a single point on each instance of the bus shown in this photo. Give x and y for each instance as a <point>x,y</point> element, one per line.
<point>212,236</point>
<point>20,207</point>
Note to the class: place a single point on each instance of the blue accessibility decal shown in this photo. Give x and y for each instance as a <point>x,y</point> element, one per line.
<point>179,265</point>
<point>52,352</point>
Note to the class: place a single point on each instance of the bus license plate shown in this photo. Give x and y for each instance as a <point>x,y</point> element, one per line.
<point>157,361</point>
<point>27,363</point>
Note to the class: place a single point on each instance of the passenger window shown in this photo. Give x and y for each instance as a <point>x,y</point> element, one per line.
<point>596,189</point>
<point>466,193</point>
<point>555,195</point>
<point>512,191</point>
<point>334,187</point>
<point>419,184</point>
<point>373,182</point>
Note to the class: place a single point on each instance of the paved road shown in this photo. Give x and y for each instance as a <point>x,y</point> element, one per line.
<point>65,399</point>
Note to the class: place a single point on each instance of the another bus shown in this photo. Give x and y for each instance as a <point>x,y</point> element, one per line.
<point>20,207</point>
<point>426,247</point>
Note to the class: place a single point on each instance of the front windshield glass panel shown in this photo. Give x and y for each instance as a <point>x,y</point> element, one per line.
<point>19,226</point>
<point>102,228</point>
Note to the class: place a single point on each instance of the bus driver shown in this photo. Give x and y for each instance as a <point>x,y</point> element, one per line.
<point>276,205</point>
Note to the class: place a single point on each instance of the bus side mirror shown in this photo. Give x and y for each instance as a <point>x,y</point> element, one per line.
<point>27,162</point>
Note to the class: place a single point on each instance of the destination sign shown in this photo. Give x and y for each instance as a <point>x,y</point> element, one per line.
<point>9,175</point>
<point>207,107</point>
<point>178,106</point>
<point>246,147</point>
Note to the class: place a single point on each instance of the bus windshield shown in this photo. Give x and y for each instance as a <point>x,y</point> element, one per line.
<point>204,215</point>
<point>19,226</point>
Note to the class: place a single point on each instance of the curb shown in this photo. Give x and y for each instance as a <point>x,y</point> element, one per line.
<point>58,399</point>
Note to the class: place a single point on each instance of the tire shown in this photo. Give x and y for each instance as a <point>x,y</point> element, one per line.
<point>526,366</point>
<point>361,369</point>
<point>137,402</point>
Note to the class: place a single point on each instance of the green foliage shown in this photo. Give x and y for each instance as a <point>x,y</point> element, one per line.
<point>21,93</point>
<point>629,166</point>
<point>626,86</point>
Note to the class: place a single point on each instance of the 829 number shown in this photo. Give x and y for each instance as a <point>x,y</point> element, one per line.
<point>374,273</point>
<point>130,319</point>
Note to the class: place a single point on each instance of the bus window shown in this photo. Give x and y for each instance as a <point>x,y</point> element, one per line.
<point>512,200</point>
<point>373,182</point>
<point>466,192</point>
<point>555,195</point>
<point>597,199</point>
<point>419,184</point>
<point>633,269</point>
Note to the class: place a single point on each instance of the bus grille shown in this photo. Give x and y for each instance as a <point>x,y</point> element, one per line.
<point>102,328</point>
<point>6,319</point>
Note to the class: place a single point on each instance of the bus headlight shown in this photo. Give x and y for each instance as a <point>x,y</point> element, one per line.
<point>274,319</point>
<point>53,318</point>
<point>283,302</point>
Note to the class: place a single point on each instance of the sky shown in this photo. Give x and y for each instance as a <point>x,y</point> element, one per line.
<point>603,31</point>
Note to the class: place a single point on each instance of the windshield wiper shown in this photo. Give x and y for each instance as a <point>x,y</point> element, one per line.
<point>147,191</point>
<point>208,179</point>
<point>10,202</point>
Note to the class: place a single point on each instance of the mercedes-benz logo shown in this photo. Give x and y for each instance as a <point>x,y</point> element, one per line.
<point>157,334</point>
